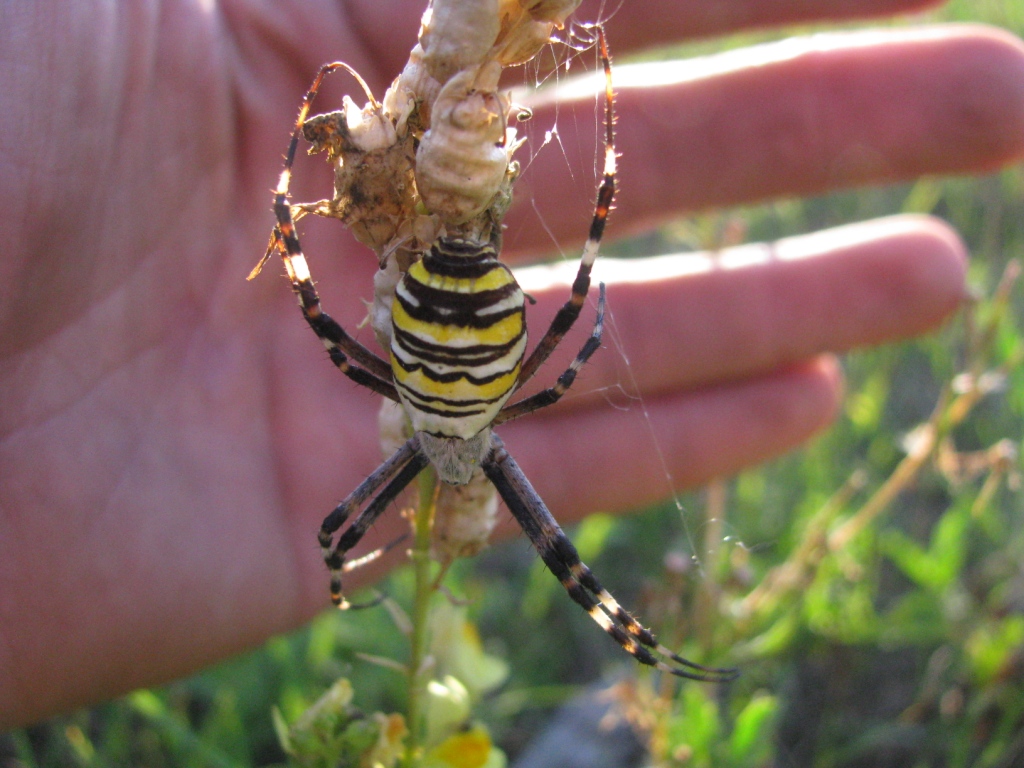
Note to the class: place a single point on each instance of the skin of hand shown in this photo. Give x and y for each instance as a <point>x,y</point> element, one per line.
<point>171,435</point>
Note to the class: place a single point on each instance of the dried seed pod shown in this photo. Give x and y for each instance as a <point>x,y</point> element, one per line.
<point>465,515</point>
<point>456,35</point>
<point>523,44</point>
<point>463,158</point>
<point>394,427</point>
<point>526,27</point>
<point>385,281</point>
<point>553,11</point>
<point>411,95</point>
<point>464,518</point>
<point>374,186</point>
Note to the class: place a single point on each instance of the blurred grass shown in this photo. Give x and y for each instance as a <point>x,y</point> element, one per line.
<point>904,646</point>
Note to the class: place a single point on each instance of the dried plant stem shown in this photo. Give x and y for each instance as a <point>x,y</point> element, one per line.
<point>954,405</point>
<point>901,477</point>
<point>951,411</point>
<point>424,588</point>
<point>797,571</point>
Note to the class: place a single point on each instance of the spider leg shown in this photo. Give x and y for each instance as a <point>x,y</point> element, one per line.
<point>559,554</point>
<point>567,315</point>
<point>299,210</point>
<point>398,471</point>
<point>552,395</point>
<point>369,557</point>
<point>373,372</point>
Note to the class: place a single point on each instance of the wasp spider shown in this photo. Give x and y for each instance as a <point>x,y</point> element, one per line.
<point>458,353</point>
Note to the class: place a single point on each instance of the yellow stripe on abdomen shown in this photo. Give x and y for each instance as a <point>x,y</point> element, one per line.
<point>454,336</point>
<point>459,340</point>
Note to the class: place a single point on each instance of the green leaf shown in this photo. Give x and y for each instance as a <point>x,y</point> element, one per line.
<point>752,740</point>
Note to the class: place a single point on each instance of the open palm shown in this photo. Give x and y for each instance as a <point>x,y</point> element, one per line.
<point>171,435</point>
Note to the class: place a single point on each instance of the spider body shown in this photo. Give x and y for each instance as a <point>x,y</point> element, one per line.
<point>457,355</point>
<point>459,338</point>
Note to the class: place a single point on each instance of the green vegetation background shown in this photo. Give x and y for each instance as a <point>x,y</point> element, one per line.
<point>894,640</point>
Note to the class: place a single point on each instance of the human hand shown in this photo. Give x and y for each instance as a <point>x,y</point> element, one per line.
<point>171,435</point>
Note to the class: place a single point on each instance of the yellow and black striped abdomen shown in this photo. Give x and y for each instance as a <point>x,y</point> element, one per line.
<point>459,335</point>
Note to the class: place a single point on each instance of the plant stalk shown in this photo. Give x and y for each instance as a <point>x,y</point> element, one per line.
<point>424,587</point>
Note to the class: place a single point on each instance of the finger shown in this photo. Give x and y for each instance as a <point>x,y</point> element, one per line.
<point>611,459</point>
<point>695,319</point>
<point>657,22</point>
<point>792,118</point>
<point>387,27</point>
